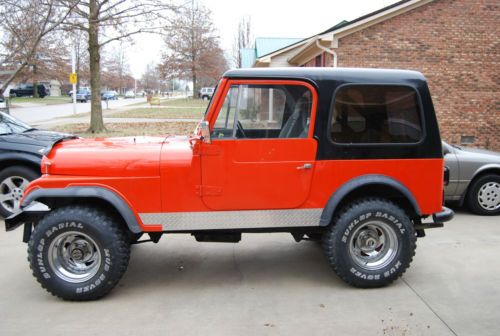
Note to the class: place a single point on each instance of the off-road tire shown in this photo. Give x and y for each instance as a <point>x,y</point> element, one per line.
<point>367,218</point>
<point>104,232</point>
<point>474,193</point>
<point>17,171</point>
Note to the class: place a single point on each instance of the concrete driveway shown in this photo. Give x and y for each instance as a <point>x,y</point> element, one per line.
<point>270,285</point>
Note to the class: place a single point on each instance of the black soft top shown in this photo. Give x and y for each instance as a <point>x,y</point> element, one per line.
<point>336,74</point>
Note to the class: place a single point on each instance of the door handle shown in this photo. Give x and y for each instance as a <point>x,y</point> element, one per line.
<point>305,166</point>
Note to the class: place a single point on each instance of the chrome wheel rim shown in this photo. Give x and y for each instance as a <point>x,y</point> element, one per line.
<point>373,245</point>
<point>74,257</point>
<point>11,192</point>
<point>488,196</point>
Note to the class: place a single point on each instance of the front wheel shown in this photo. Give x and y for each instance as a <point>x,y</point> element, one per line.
<point>371,243</point>
<point>78,253</point>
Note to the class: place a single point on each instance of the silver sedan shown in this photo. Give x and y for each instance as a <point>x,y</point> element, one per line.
<point>474,178</point>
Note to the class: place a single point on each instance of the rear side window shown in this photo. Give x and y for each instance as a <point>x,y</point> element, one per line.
<point>376,114</point>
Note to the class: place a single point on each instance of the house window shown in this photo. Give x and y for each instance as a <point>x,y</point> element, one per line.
<point>376,114</point>
<point>318,61</point>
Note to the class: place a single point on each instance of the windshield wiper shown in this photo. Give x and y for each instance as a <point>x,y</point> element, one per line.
<point>29,130</point>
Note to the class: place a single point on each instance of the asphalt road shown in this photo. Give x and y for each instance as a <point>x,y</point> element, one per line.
<point>35,115</point>
<point>269,285</point>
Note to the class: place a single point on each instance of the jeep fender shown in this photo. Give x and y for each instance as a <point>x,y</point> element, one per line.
<point>362,181</point>
<point>88,192</point>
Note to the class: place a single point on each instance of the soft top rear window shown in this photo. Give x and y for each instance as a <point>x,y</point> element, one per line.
<point>380,114</point>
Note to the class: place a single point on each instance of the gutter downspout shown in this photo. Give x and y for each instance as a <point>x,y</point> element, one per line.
<point>331,52</point>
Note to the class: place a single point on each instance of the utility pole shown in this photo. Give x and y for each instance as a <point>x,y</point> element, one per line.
<point>73,70</point>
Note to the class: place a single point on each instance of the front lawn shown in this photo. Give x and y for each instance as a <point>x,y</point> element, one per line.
<point>130,129</point>
<point>160,113</point>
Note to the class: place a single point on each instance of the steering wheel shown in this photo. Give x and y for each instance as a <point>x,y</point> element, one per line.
<point>240,132</point>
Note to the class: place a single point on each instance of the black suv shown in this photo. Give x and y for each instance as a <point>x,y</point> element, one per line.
<point>21,151</point>
<point>26,90</point>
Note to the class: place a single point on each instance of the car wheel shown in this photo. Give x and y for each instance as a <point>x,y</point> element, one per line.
<point>483,197</point>
<point>78,253</point>
<point>370,243</point>
<point>13,182</point>
<point>205,98</point>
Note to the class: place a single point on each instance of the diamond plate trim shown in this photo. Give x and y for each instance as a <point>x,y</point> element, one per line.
<point>216,220</point>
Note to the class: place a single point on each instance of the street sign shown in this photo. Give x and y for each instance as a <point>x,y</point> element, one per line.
<point>73,78</point>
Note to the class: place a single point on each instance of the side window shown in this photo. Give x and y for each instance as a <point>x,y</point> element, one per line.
<point>376,114</point>
<point>264,111</point>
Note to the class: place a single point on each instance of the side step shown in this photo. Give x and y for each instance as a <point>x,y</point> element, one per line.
<point>217,237</point>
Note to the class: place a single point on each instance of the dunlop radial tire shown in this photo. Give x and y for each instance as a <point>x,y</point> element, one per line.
<point>371,230</point>
<point>90,241</point>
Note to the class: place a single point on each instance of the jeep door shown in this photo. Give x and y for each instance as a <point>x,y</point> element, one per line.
<point>262,151</point>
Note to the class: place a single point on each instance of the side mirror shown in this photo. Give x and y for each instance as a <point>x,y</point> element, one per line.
<point>205,132</point>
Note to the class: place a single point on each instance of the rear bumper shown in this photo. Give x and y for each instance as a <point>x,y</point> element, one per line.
<point>444,215</point>
<point>438,219</point>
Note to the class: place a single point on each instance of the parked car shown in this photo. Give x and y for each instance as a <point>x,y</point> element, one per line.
<point>21,151</point>
<point>26,90</point>
<point>129,94</point>
<point>206,93</point>
<point>110,95</point>
<point>360,174</point>
<point>474,178</point>
<point>83,96</point>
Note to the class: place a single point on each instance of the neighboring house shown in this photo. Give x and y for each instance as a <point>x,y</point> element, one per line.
<point>263,46</point>
<point>454,43</point>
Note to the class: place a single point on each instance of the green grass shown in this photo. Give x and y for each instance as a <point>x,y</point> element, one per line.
<point>185,103</point>
<point>130,129</point>
<point>49,100</point>
<point>160,113</point>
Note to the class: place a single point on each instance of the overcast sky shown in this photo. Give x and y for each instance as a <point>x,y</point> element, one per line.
<point>270,18</point>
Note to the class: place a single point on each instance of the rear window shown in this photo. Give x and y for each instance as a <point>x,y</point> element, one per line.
<point>376,114</point>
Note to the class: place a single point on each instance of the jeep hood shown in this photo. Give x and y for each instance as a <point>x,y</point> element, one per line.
<point>110,157</point>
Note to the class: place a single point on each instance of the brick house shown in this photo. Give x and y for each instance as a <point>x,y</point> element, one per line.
<point>454,43</point>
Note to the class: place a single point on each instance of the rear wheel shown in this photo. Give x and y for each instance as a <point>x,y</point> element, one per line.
<point>13,182</point>
<point>371,243</point>
<point>483,197</point>
<point>78,253</point>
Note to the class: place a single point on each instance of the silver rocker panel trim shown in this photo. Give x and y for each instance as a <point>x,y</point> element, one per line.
<point>244,219</point>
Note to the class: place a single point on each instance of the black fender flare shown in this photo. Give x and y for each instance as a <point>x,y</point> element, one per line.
<point>22,158</point>
<point>362,181</point>
<point>88,192</point>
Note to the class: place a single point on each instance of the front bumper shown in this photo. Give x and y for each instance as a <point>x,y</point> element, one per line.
<point>26,216</point>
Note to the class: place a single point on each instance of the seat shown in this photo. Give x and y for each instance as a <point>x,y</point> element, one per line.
<point>297,124</point>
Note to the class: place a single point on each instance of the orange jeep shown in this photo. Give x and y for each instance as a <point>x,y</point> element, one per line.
<point>349,157</point>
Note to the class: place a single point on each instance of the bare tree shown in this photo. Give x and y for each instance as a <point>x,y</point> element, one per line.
<point>116,69</point>
<point>25,24</point>
<point>105,21</point>
<point>150,80</point>
<point>193,48</point>
<point>243,39</point>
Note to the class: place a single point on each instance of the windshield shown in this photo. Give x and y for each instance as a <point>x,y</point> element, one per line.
<point>10,125</point>
<point>211,99</point>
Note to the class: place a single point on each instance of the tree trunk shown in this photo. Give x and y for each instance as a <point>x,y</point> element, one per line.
<point>35,83</point>
<point>195,86</point>
<point>96,120</point>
